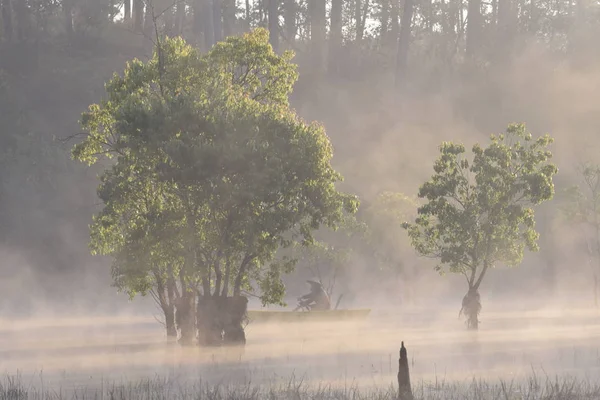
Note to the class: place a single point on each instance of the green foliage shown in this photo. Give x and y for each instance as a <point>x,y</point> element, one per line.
<point>581,203</point>
<point>213,171</point>
<point>329,254</point>
<point>479,212</point>
<point>385,236</point>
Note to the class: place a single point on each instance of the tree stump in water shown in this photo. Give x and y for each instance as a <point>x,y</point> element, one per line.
<point>404,389</point>
<point>208,319</point>
<point>233,329</point>
<point>185,320</point>
<point>471,305</point>
<point>220,320</point>
<point>170,321</point>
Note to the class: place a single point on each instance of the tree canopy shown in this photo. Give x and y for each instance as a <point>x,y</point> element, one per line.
<point>213,171</point>
<point>480,212</point>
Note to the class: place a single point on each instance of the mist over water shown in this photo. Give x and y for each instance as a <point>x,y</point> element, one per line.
<point>69,353</point>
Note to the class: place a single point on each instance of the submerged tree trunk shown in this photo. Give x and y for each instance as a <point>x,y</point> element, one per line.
<point>471,307</point>
<point>208,319</point>
<point>233,328</point>
<point>170,322</point>
<point>165,297</point>
<point>220,320</point>
<point>185,318</point>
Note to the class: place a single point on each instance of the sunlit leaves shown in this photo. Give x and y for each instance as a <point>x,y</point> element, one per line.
<point>480,212</point>
<point>213,171</point>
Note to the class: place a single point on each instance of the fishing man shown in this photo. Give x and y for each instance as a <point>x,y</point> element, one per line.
<point>317,299</point>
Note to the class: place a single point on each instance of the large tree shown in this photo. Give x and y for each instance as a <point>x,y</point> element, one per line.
<point>479,212</point>
<point>208,147</point>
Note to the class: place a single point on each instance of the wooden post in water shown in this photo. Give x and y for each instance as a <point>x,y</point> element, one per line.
<point>404,390</point>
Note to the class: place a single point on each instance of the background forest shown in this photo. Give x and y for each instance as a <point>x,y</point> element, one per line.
<point>389,79</point>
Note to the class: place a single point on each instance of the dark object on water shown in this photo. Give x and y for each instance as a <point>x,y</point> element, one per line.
<point>404,389</point>
<point>263,316</point>
<point>471,307</point>
<point>317,299</point>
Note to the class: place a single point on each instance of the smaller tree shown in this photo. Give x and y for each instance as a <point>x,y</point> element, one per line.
<point>480,212</point>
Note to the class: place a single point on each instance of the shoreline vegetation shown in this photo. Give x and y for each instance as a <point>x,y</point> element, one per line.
<point>535,386</point>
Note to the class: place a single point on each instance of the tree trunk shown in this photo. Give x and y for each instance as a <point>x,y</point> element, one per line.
<point>208,30</point>
<point>209,321</point>
<point>168,19</point>
<point>217,20</point>
<point>185,318</point>
<point>384,21</point>
<point>506,28</point>
<point>473,27</point>
<point>357,20</point>
<point>220,320</point>
<point>126,10</point>
<point>317,34</point>
<point>335,36</point>
<point>170,321</point>
<point>7,19</point>
<point>248,15</point>
<point>471,306</point>
<point>180,18</point>
<point>273,17</point>
<point>171,298</point>
<point>404,389</point>
<point>290,21</point>
<point>404,43</point>
<point>428,14</point>
<point>138,15</point>
<point>233,329</point>
<point>394,30</point>
<point>149,21</point>
<point>229,17</point>
<point>197,21</point>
